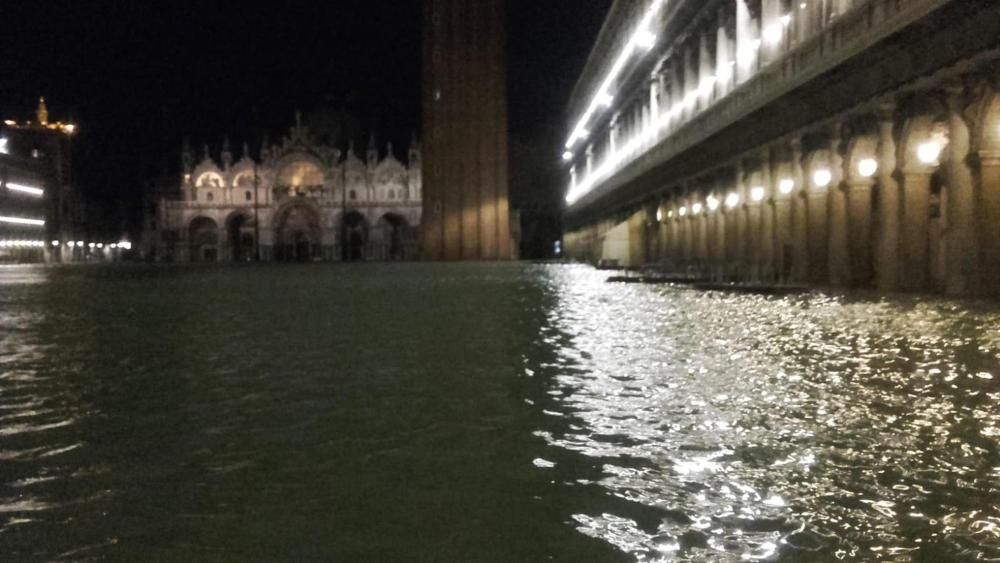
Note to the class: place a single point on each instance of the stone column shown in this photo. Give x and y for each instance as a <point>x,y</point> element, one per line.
<point>724,72</point>
<point>859,222</point>
<point>887,239</point>
<point>782,230</point>
<point>687,236</point>
<point>654,99</point>
<point>818,202</point>
<point>706,69</point>
<point>613,135</point>
<point>720,235</point>
<point>989,220</point>
<point>771,19</point>
<point>745,56</point>
<point>915,220</point>
<point>767,256</point>
<point>690,80</point>
<point>800,222</point>
<point>839,274</point>
<point>703,232</point>
<point>743,246</point>
<point>962,251</point>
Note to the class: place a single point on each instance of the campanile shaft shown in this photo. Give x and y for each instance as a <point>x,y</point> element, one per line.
<point>466,212</point>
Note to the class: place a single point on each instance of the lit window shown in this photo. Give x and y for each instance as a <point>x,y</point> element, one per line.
<point>3,145</point>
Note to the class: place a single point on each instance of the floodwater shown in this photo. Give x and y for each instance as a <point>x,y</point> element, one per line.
<point>503,413</point>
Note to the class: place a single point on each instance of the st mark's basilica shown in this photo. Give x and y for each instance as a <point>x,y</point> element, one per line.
<point>302,200</point>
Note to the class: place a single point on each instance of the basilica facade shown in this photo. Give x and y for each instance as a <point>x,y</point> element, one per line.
<point>298,201</point>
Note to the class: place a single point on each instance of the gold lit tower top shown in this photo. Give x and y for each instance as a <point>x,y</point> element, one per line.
<point>42,112</point>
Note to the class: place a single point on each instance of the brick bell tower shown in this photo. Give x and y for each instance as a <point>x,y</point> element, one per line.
<point>466,213</point>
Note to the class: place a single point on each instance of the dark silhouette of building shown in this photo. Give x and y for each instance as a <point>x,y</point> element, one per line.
<point>466,209</point>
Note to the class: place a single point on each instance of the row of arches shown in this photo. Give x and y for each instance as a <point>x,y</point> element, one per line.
<point>298,237</point>
<point>907,198</point>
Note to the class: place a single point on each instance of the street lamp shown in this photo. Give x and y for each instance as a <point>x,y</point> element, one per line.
<point>822,178</point>
<point>867,167</point>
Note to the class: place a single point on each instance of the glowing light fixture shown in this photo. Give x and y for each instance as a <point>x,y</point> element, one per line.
<point>706,85</point>
<point>786,186</point>
<point>31,190</point>
<point>774,33</point>
<point>3,146</point>
<point>22,243</point>
<point>696,209</point>
<point>683,211</point>
<point>670,214</point>
<point>71,244</point>
<point>713,203</point>
<point>822,178</point>
<point>607,100</point>
<point>786,20</point>
<point>22,221</point>
<point>659,215</point>
<point>567,156</point>
<point>757,193</point>
<point>732,200</point>
<point>55,243</point>
<point>867,167</point>
<point>646,39</point>
<point>929,152</point>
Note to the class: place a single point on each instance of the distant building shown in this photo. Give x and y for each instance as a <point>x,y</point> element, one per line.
<point>43,217</point>
<point>466,208</point>
<point>303,201</point>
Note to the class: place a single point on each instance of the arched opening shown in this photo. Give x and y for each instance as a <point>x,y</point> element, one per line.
<point>354,236</point>
<point>203,237</point>
<point>297,235</point>
<point>395,236</point>
<point>241,238</point>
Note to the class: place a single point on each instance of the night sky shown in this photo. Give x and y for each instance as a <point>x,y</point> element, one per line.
<point>140,76</point>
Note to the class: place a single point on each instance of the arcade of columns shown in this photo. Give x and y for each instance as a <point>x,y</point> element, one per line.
<point>902,192</point>
<point>904,196</point>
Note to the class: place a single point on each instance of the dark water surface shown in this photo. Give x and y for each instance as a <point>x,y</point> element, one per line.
<point>487,413</point>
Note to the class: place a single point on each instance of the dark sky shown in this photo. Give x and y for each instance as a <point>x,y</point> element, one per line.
<point>138,76</point>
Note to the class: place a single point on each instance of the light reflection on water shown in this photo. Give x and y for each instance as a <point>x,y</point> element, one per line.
<point>764,427</point>
<point>487,413</point>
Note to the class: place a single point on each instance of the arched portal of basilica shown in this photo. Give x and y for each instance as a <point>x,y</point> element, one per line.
<point>298,201</point>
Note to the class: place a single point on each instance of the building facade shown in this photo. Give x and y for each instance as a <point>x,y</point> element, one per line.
<point>466,207</point>
<point>832,142</point>
<point>43,216</point>
<point>301,200</point>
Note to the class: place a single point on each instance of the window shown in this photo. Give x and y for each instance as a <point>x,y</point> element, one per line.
<point>249,196</point>
<point>210,197</point>
<point>353,195</point>
<point>392,194</point>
